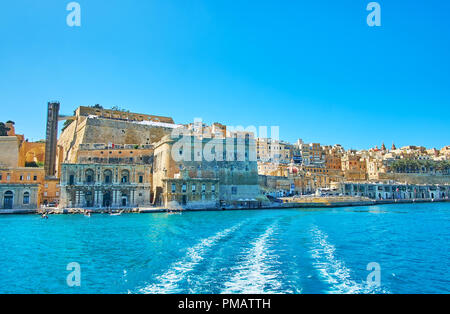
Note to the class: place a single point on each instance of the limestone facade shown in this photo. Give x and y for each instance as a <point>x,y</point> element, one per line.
<point>19,196</point>
<point>105,185</point>
<point>93,130</point>
<point>228,163</point>
<point>196,193</point>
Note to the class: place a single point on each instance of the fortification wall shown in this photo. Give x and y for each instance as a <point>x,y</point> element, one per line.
<point>85,130</point>
<point>71,138</point>
<point>122,132</point>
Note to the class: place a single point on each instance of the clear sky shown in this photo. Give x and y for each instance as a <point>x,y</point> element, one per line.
<point>313,68</point>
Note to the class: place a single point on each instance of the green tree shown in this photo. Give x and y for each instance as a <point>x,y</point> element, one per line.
<point>3,129</point>
<point>66,124</point>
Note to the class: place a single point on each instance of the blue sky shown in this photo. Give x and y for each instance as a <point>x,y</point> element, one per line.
<point>313,68</point>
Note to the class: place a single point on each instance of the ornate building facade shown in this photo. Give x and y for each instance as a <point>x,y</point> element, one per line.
<point>105,185</point>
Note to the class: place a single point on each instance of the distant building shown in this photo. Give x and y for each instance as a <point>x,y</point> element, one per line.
<point>354,167</point>
<point>392,191</point>
<point>185,177</point>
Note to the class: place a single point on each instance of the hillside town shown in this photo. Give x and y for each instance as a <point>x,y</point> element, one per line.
<point>108,159</point>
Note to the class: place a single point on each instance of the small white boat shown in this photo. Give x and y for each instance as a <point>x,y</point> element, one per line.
<point>115,214</point>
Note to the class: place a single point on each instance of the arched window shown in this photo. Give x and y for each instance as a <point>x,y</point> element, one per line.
<point>107,177</point>
<point>125,176</point>
<point>26,198</point>
<point>90,176</point>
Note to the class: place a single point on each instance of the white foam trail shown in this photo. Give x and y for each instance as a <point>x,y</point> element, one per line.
<point>333,269</point>
<point>256,273</point>
<point>168,282</point>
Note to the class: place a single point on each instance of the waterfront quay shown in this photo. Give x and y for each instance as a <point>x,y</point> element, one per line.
<point>286,203</point>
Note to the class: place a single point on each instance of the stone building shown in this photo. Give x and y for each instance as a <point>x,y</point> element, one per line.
<point>16,155</point>
<point>354,167</point>
<point>19,196</point>
<point>190,192</point>
<point>384,191</point>
<point>108,175</point>
<point>375,168</point>
<point>227,168</point>
<point>105,185</point>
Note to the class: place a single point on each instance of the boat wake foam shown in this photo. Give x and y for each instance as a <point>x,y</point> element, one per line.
<point>168,282</point>
<point>256,273</point>
<point>334,270</point>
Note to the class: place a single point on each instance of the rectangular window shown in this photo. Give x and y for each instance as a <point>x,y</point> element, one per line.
<point>141,179</point>
<point>203,188</point>
<point>183,189</point>
<point>26,198</point>
<point>174,188</point>
<point>234,190</point>
<point>194,188</point>
<point>1,177</point>
<point>28,178</point>
<point>21,178</point>
<point>213,188</point>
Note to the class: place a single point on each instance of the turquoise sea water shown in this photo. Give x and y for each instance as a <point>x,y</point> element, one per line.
<point>271,251</point>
